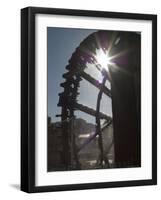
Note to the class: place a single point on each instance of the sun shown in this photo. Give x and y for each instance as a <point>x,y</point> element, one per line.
<point>103,59</point>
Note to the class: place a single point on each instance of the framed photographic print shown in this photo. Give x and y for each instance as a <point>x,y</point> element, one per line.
<point>88,99</point>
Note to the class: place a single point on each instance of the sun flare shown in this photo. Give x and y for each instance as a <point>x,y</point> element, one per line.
<point>103,58</point>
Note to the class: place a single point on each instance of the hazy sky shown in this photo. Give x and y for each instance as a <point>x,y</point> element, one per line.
<point>61,43</point>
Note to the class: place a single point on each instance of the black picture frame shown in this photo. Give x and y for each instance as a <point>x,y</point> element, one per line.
<point>28,99</point>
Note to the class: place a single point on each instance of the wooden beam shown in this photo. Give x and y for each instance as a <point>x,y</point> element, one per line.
<point>87,141</point>
<point>95,83</point>
<point>88,78</point>
<point>90,111</point>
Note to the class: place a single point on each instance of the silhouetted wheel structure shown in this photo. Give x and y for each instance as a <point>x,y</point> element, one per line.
<point>123,73</point>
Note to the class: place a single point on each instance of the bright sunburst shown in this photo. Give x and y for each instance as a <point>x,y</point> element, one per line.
<point>103,58</point>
